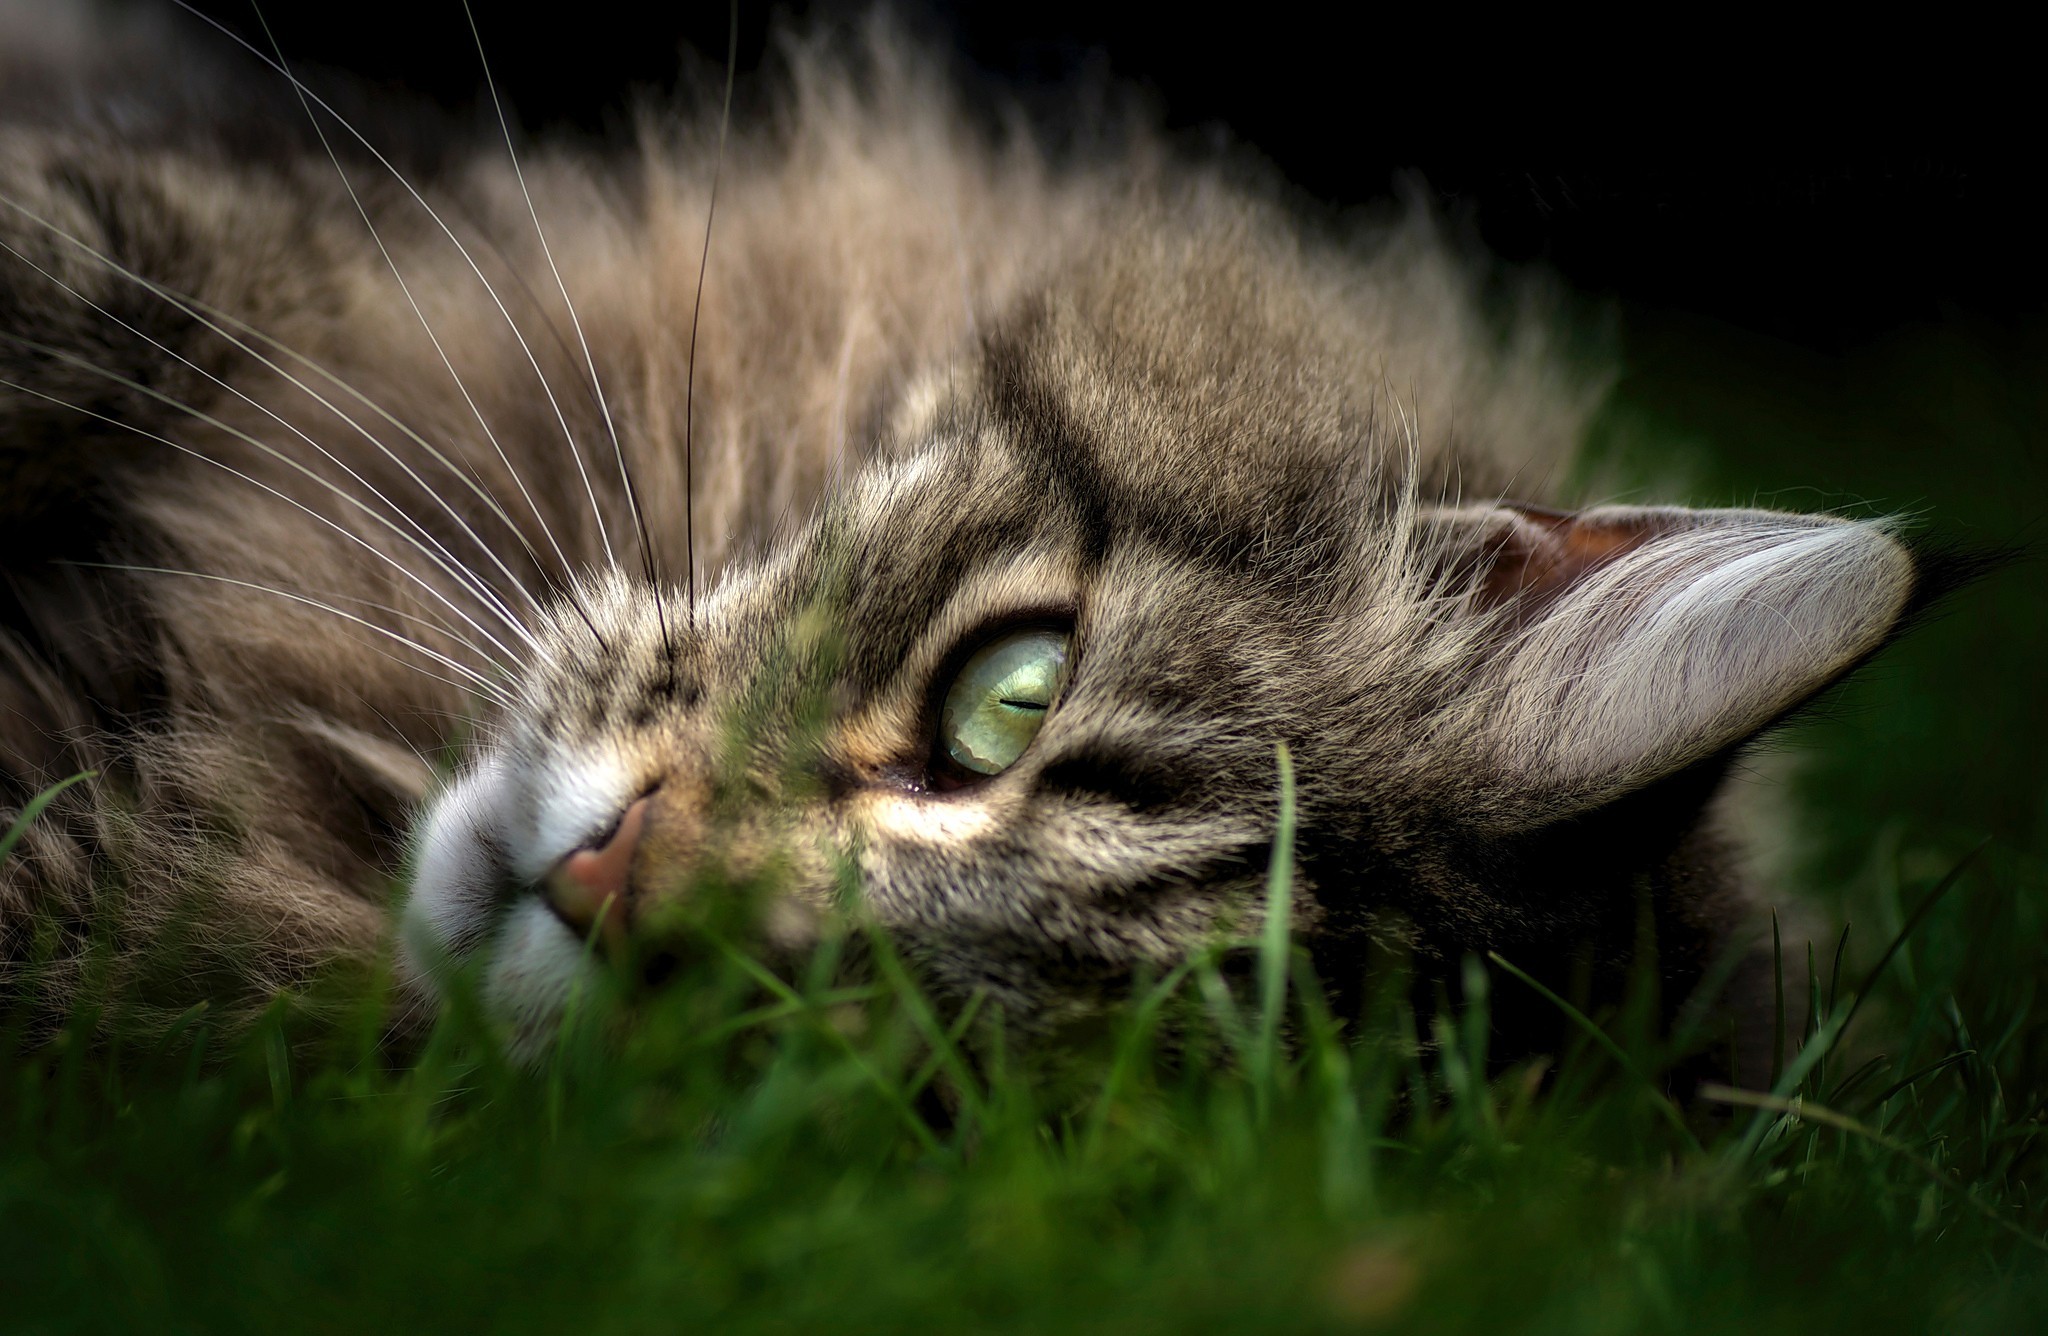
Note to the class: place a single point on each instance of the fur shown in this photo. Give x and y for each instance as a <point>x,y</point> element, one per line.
<point>1284,485</point>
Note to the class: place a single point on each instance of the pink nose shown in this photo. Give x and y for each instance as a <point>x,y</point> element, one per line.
<point>588,889</point>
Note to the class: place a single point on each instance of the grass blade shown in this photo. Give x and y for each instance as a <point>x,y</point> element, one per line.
<point>1913,921</point>
<point>1275,937</point>
<point>34,808</point>
<point>1778,1008</point>
<point>1613,1050</point>
<point>1821,1113</point>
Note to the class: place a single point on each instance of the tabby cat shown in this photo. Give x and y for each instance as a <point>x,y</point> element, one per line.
<point>502,554</point>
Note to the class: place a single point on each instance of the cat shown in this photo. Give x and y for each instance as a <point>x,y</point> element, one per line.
<point>494,556</point>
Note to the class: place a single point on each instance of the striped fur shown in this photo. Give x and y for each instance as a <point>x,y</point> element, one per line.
<point>1285,487</point>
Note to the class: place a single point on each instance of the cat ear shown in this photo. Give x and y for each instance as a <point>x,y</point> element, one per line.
<point>1640,640</point>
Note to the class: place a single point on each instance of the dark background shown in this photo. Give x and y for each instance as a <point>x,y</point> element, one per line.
<point>1817,185</point>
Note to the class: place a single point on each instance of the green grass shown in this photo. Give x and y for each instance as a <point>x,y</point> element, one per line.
<point>824,1158</point>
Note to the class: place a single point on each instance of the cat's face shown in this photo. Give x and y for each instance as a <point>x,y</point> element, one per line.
<point>1015,693</point>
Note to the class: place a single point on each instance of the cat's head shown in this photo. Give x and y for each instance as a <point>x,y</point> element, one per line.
<point>1015,693</point>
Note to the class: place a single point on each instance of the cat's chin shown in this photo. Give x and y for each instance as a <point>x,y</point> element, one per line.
<point>524,973</point>
<point>534,971</point>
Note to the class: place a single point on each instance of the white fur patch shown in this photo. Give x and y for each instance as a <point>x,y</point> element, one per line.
<point>536,966</point>
<point>459,886</point>
<point>930,821</point>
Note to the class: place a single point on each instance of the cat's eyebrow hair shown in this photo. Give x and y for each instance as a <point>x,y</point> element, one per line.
<point>900,612</point>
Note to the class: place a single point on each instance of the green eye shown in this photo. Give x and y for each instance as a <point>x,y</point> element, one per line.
<point>998,702</point>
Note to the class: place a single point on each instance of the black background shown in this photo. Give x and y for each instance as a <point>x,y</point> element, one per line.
<point>1812,183</point>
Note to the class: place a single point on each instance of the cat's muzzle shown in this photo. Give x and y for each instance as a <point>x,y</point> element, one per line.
<point>663,875</point>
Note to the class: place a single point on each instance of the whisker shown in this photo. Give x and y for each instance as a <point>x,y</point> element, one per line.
<point>532,303</point>
<point>473,581</point>
<point>575,322</point>
<point>477,681</point>
<point>461,473</point>
<point>309,99</point>
<point>329,484</point>
<point>209,316</point>
<point>427,326</point>
<point>427,762</point>
<point>430,624</point>
<point>732,56</point>
<point>467,477</point>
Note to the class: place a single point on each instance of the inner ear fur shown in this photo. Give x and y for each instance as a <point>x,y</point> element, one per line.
<point>1640,640</point>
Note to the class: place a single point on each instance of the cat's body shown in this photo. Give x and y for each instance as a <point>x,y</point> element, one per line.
<point>938,391</point>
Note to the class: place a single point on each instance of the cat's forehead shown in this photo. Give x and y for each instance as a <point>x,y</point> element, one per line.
<point>1113,435</point>
<point>1082,456</point>
<point>1190,398</point>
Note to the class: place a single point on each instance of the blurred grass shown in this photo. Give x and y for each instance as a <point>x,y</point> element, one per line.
<point>739,1162</point>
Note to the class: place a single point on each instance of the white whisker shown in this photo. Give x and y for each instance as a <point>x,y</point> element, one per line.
<point>442,352</point>
<point>732,55</point>
<point>470,579</point>
<point>309,99</point>
<point>463,474</point>
<point>477,681</point>
<point>357,502</point>
<point>575,322</point>
<point>210,315</point>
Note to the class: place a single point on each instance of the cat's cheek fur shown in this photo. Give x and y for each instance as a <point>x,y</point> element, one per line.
<point>931,822</point>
